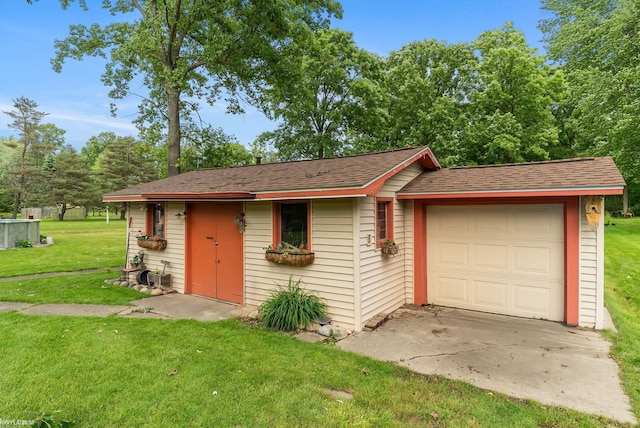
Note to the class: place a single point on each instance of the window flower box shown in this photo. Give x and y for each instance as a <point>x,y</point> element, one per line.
<point>152,244</point>
<point>287,254</point>
<point>290,259</point>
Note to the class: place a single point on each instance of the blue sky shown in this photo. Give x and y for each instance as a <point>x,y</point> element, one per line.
<point>77,101</point>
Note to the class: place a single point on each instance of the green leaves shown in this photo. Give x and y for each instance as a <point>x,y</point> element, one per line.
<point>291,307</point>
<point>597,44</point>
<point>321,98</point>
<point>192,50</point>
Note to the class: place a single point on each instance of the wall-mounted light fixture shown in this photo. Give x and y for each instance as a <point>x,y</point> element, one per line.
<point>181,214</point>
<point>142,207</point>
<point>241,221</point>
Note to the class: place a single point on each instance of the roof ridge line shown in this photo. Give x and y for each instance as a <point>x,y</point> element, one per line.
<point>524,163</point>
<point>311,160</point>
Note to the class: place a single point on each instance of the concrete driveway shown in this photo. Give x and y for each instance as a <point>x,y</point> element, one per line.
<point>541,360</point>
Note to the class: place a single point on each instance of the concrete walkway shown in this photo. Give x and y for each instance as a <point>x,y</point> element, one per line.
<point>170,306</point>
<point>542,360</point>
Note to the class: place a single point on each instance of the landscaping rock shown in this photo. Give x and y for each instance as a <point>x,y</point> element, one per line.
<point>335,331</point>
<point>137,287</point>
<point>156,292</point>
<point>312,327</point>
<point>144,290</point>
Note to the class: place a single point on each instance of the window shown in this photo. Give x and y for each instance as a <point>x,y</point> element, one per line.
<point>155,220</point>
<point>291,224</point>
<point>384,220</point>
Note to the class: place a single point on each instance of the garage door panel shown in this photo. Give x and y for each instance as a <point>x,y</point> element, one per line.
<point>490,294</point>
<point>453,290</point>
<point>547,262</point>
<point>538,221</point>
<point>453,221</point>
<point>490,222</point>
<point>492,257</point>
<point>516,270</point>
<point>528,299</point>
<point>452,254</point>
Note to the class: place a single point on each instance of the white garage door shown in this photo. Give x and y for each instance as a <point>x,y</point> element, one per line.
<point>506,259</point>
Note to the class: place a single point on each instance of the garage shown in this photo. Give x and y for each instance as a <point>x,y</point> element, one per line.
<point>505,259</point>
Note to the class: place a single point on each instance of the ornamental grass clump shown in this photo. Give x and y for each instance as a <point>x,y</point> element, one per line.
<point>291,307</point>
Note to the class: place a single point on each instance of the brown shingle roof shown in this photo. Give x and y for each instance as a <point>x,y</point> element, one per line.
<point>350,172</point>
<point>568,174</point>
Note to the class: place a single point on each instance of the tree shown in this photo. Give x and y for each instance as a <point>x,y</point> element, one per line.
<point>26,121</point>
<point>9,157</point>
<point>213,149</point>
<point>96,145</point>
<point>512,101</point>
<point>188,50</point>
<point>426,87</point>
<point>70,182</point>
<point>323,99</point>
<point>598,42</point>
<point>123,163</point>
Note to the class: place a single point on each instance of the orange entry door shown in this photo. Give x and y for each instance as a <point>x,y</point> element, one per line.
<point>214,251</point>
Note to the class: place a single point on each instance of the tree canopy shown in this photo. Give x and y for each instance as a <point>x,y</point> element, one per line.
<point>597,42</point>
<point>323,100</point>
<point>190,50</point>
<point>36,141</point>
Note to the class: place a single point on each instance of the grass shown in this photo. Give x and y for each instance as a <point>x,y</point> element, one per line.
<point>622,298</point>
<point>117,372</point>
<point>89,288</point>
<point>104,372</point>
<point>78,245</point>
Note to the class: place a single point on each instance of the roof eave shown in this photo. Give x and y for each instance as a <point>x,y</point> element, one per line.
<point>177,196</point>
<point>518,193</point>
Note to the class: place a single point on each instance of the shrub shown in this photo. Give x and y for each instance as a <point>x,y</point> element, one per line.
<point>291,307</point>
<point>24,243</point>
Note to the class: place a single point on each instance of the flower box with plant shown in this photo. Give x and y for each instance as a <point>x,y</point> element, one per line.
<point>151,243</point>
<point>287,254</point>
<point>389,248</point>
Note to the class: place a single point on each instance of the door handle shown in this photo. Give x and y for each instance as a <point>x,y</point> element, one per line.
<point>210,237</point>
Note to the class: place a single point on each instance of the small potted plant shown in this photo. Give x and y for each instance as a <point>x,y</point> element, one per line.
<point>135,261</point>
<point>389,248</point>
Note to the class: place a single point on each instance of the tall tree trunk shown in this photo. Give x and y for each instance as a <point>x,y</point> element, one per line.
<point>63,210</point>
<point>16,205</point>
<point>173,141</point>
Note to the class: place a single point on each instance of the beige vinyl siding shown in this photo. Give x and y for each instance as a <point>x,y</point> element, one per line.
<point>331,274</point>
<point>175,235</point>
<point>383,281</point>
<point>591,272</point>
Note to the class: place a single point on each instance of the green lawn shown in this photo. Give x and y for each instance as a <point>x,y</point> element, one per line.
<point>79,244</point>
<point>622,298</point>
<point>88,288</point>
<point>105,372</point>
